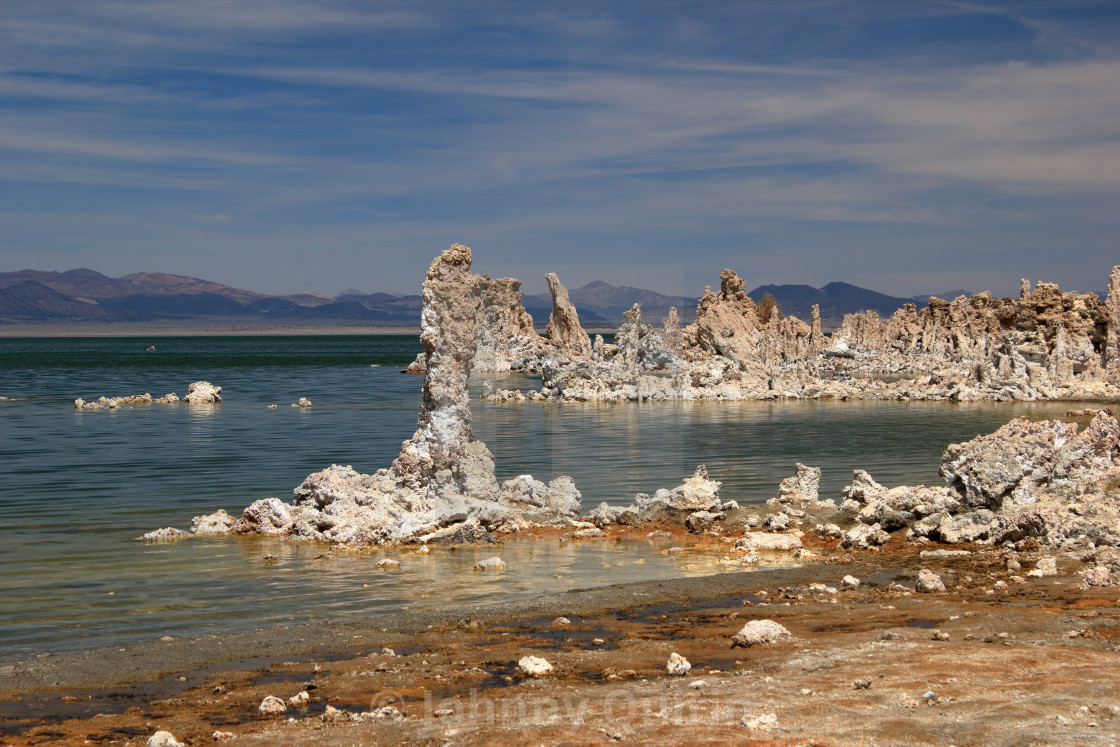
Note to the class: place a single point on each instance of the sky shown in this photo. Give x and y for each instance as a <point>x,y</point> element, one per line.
<point>287,146</point>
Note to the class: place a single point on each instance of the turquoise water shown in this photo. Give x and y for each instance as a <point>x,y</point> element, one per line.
<point>81,486</point>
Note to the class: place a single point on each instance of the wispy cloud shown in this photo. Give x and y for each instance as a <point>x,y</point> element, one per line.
<point>748,130</point>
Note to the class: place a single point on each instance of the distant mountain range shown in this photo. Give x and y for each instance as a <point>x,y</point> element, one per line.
<point>86,295</point>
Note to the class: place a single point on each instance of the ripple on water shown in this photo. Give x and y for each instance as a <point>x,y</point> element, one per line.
<point>81,486</point>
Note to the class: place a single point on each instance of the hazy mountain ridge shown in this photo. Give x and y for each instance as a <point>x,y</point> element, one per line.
<point>84,294</point>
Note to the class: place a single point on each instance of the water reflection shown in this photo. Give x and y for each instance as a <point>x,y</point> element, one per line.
<point>81,486</point>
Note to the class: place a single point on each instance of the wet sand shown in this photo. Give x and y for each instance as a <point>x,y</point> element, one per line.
<point>1033,663</point>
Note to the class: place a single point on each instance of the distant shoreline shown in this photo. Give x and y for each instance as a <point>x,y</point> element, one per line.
<point>192,328</point>
<point>196,328</point>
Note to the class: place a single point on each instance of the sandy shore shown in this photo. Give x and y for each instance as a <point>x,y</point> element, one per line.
<point>1031,663</point>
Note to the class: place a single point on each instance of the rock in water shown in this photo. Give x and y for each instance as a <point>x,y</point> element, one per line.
<point>164,739</point>
<point>490,564</point>
<point>443,456</point>
<point>203,393</point>
<point>564,330</point>
<point>441,487</point>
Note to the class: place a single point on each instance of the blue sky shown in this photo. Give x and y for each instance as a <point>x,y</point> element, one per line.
<point>286,146</point>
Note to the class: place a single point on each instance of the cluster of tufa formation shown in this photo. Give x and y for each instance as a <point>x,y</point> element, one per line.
<point>1047,481</point>
<point>1042,482</point>
<point>442,486</point>
<point>198,393</point>
<point>1046,344</point>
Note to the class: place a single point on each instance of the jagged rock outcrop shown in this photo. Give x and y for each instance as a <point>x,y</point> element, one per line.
<point>564,331</point>
<point>695,503</point>
<point>1045,480</point>
<point>1112,337</point>
<point>1044,345</point>
<point>442,486</point>
<point>507,340</point>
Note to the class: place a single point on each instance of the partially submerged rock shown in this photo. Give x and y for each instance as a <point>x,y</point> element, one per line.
<point>490,564</point>
<point>442,486</point>
<point>203,393</point>
<point>1046,480</point>
<point>167,534</point>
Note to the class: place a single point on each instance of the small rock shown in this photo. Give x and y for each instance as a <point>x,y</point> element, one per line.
<point>677,665</point>
<point>697,684</point>
<point>939,635</point>
<point>164,739</point>
<point>929,582</point>
<point>222,736</point>
<point>272,706</point>
<point>598,641</point>
<point>534,666</point>
<point>300,700</point>
<point>862,684</point>
<point>561,621</point>
<point>759,723</point>
<point>388,563</point>
<point>490,564</point>
<point>166,534</point>
<point>303,402</point>
<point>758,632</point>
<point>388,652</point>
<point>1047,566</point>
<point>335,715</point>
<point>849,582</point>
<point>1100,575</point>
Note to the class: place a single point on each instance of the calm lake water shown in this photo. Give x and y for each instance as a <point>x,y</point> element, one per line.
<point>81,486</point>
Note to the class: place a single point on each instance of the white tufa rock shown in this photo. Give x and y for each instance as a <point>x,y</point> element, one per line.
<point>218,522</point>
<point>300,700</point>
<point>203,393</point>
<point>490,564</point>
<point>929,582</point>
<point>759,723</point>
<point>1047,566</point>
<point>767,542</point>
<point>167,534</point>
<point>758,632</point>
<point>272,706</point>
<point>388,564</point>
<point>849,582</point>
<point>677,665</point>
<point>534,666</point>
<point>164,739</point>
<point>303,402</point>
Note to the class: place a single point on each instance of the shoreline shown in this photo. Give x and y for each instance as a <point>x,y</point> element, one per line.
<point>205,329</point>
<point>1039,655</point>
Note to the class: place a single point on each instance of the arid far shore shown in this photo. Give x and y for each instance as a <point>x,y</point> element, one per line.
<point>192,328</point>
<point>1000,657</point>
